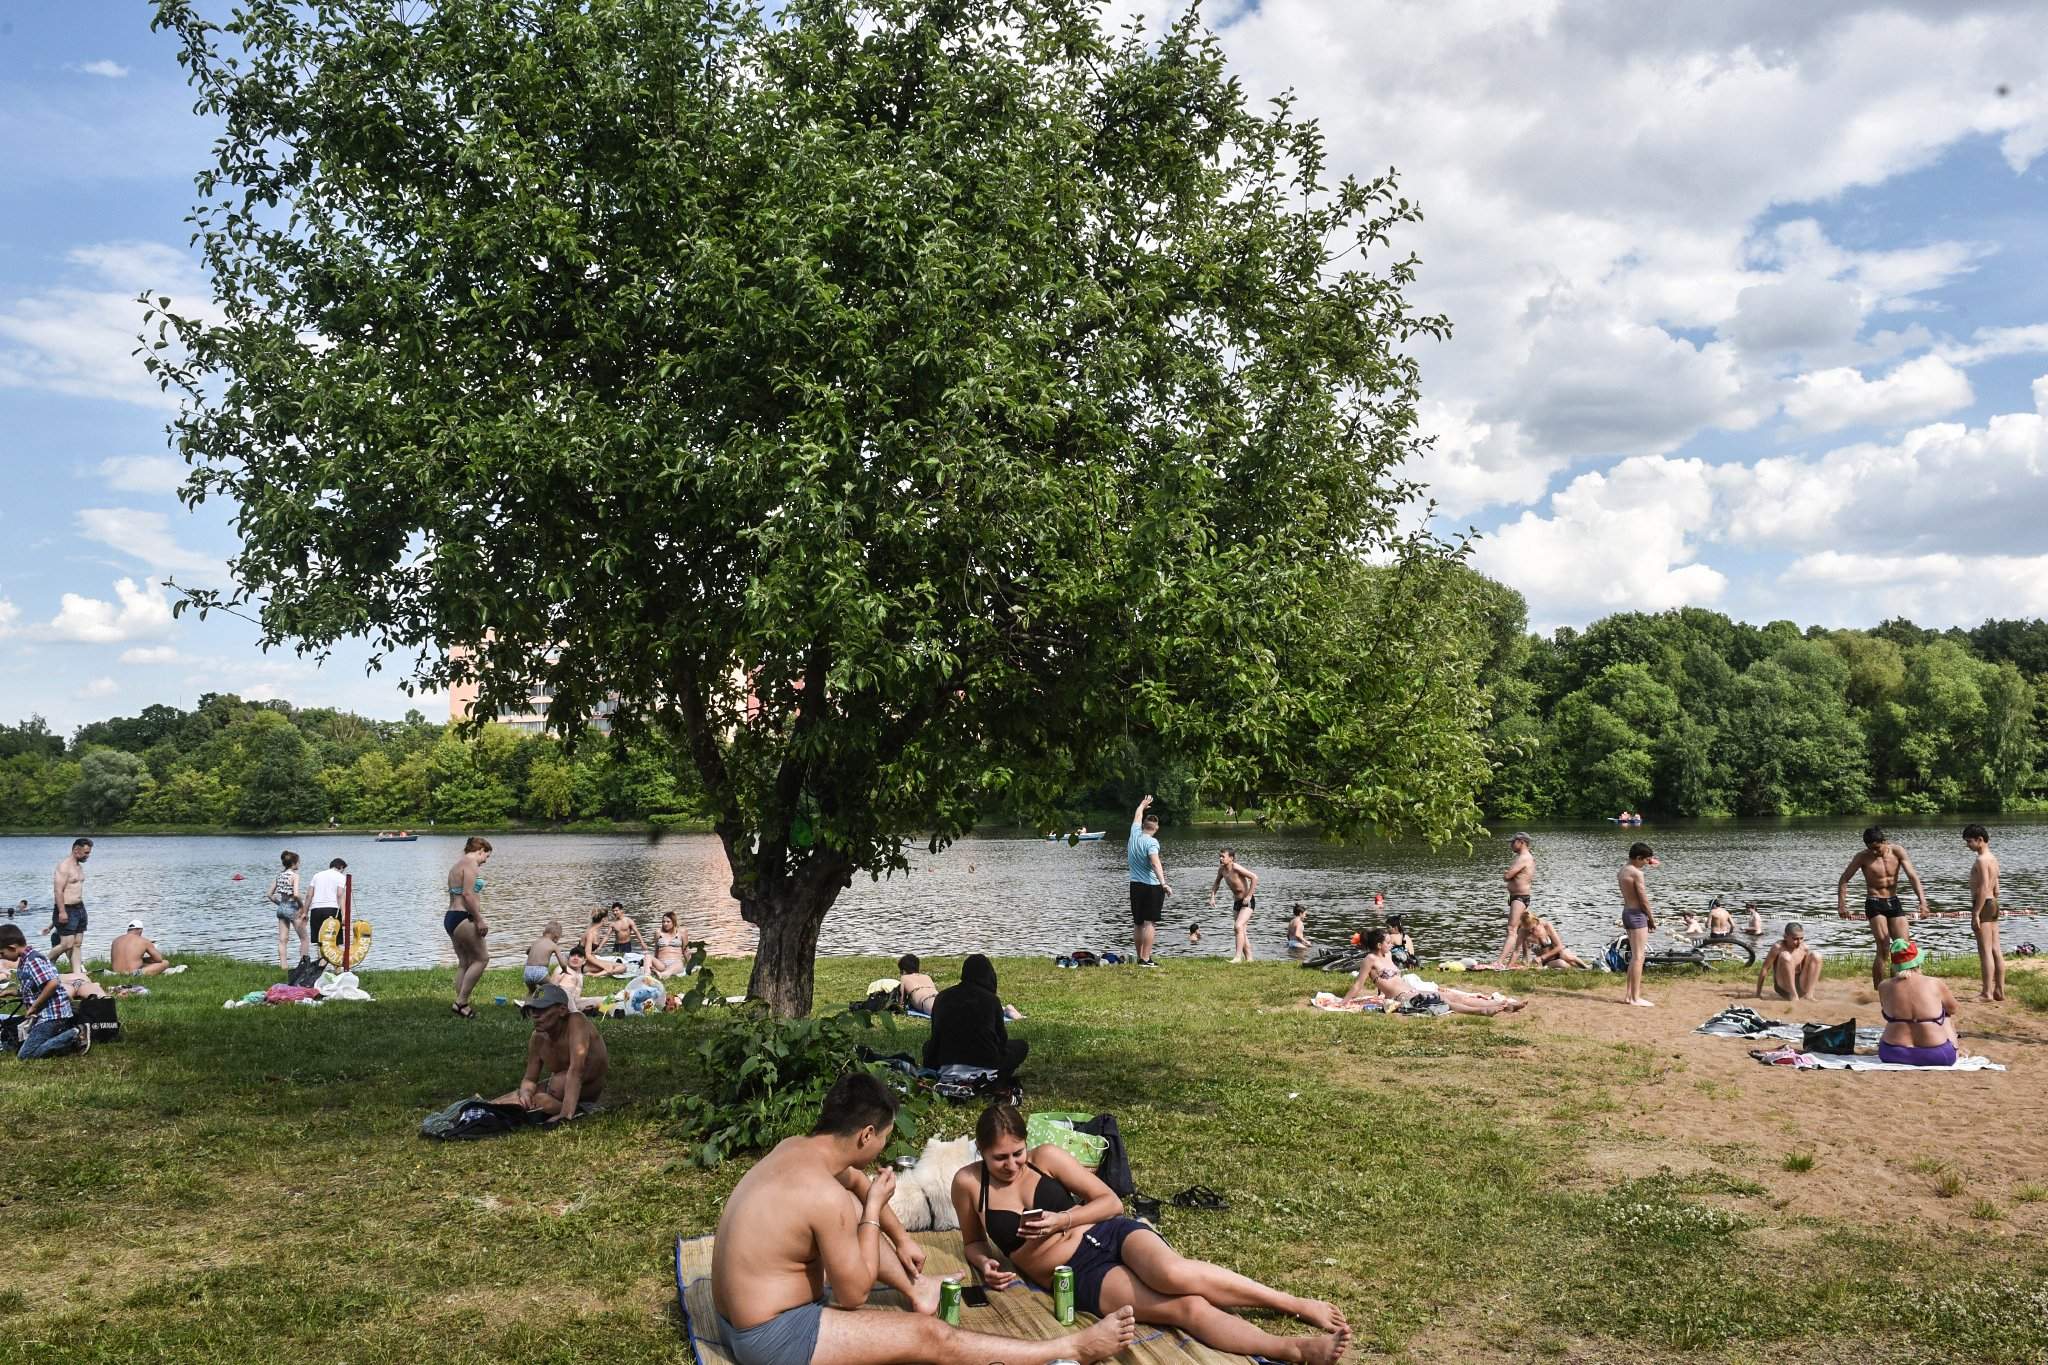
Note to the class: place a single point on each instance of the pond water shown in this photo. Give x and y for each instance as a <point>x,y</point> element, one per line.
<point>1022,895</point>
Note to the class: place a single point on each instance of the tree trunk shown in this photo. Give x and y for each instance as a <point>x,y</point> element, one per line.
<point>784,963</point>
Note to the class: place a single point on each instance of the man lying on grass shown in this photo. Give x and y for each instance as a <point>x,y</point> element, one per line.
<point>569,1048</point>
<point>808,1213</point>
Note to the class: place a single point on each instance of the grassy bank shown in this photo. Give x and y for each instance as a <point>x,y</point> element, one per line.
<point>249,1184</point>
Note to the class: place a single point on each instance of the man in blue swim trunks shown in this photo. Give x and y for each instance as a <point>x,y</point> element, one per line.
<point>808,1214</point>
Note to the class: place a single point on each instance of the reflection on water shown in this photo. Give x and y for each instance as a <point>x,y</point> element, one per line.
<point>1019,895</point>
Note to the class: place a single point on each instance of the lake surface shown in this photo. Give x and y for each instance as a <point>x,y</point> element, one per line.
<point>1020,895</point>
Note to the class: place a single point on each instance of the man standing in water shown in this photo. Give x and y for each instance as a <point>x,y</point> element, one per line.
<point>1244,885</point>
<point>1148,881</point>
<point>1881,862</point>
<point>1984,912</point>
<point>795,1252</point>
<point>67,902</point>
<point>1636,919</point>
<point>1521,878</point>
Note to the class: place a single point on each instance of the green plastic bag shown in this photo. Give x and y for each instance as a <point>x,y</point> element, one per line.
<point>1058,1129</point>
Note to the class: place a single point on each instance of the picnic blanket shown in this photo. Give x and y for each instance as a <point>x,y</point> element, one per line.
<point>1328,1000</point>
<point>1828,1061</point>
<point>1019,1311</point>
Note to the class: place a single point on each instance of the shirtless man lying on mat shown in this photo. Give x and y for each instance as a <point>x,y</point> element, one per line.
<point>808,1214</point>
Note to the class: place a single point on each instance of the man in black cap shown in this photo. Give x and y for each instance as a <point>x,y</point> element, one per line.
<point>1520,877</point>
<point>568,1047</point>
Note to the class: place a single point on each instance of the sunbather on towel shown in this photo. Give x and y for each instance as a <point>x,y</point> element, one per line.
<point>566,1046</point>
<point>1378,972</point>
<point>807,1214</point>
<point>1044,1210</point>
<point>1919,1012</point>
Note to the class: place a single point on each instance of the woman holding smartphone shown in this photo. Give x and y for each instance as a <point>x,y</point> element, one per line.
<point>1043,1209</point>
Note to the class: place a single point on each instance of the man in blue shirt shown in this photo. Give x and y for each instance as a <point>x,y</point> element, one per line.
<point>49,1028</point>
<point>1148,881</point>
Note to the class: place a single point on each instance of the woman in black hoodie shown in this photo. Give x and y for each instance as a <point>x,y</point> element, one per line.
<point>967,1024</point>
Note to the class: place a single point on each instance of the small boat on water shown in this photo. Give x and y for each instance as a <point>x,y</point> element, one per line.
<point>1080,835</point>
<point>401,837</point>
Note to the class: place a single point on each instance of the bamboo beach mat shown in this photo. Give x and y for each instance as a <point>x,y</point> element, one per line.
<point>1019,1311</point>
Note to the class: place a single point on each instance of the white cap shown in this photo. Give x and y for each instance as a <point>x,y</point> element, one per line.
<point>134,924</point>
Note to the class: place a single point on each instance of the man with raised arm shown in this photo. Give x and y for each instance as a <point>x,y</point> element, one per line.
<point>808,1215</point>
<point>1148,881</point>
<point>1881,862</point>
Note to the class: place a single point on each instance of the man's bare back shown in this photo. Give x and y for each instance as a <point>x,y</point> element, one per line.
<point>789,1205</point>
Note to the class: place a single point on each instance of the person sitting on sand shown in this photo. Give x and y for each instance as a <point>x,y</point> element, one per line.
<point>1548,945</point>
<point>1793,968</point>
<point>1378,973</point>
<point>671,948</point>
<point>807,1216</point>
<point>918,990</point>
<point>1043,1210</point>
<point>593,938</point>
<point>568,1048</point>
<point>1297,928</point>
<point>131,954</point>
<point>542,951</point>
<point>1919,1011</point>
<point>968,1024</point>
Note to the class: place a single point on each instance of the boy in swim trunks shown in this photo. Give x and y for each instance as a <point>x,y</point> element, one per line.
<point>539,953</point>
<point>808,1214</point>
<point>1881,862</point>
<point>1984,912</point>
<point>1149,888</point>
<point>1244,886</point>
<point>1793,968</point>
<point>1637,920</point>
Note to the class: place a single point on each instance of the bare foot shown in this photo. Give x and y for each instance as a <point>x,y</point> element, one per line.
<point>1983,999</point>
<point>1106,1337</point>
<point>1327,1317</point>
<point>1646,1004</point>
<point>1513,1004</point>
<point>1325,1350</point>
<point>924,1295</point>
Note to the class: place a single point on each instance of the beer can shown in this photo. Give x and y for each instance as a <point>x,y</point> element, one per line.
<point>1063,1295</point>
<point>949,1301</point>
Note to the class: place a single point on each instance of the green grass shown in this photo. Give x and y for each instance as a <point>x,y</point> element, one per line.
<point>1798,1162</point>
<point>248,1185</point>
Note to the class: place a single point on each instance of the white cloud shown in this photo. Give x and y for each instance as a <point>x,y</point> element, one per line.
<point>80,341</point>
<point>1995,343</point>
<point>9,614</point>
<point>143,473</point>
<point>112,71</point>
<point>137,613</point>
<point>1926,587</point>
<point>145,536</point>
<point>101,687</point>
<point>1828,400</point>
<point>152,654</point>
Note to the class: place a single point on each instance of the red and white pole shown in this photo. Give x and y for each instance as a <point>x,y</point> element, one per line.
<point>348,918</point>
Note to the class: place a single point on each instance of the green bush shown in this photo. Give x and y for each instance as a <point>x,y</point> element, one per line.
<point>764,1079</point>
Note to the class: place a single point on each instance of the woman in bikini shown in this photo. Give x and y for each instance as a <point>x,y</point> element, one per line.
<point>1044,1210</point>
<point>464,921</point>
<point>1548,944</point>
<point>1378,973</point>
<point>1919,1012</point>
<point>669,944</point>
<point>593,937</point>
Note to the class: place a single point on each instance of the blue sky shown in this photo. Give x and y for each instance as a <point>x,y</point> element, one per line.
<point>1750,303</point>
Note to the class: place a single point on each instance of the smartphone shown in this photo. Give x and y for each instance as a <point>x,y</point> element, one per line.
<point>974,1296</point>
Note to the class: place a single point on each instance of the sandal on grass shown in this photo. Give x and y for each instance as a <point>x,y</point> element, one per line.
<point>463,1011</point>
<point>1201,1197</point>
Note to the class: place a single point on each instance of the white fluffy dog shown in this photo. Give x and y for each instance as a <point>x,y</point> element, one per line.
<point>923,1201</point>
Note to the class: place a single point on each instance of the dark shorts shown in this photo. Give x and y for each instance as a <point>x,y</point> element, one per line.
<point>1635,919</point>
<point>1238,907</point>
<point>1883,907</point>
<point>75,924</point>
<point>1517,897</point>
<point>1148,903</point>
<point>1989,914</point>
<point>1101,1251</point>
<point>453,920</point>
<point>321,914</point>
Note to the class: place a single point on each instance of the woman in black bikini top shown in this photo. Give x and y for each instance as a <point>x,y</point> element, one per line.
<point>1118,1262</point>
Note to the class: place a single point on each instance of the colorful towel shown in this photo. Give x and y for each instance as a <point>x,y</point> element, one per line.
<point>1326,1000</point>
<point>1826,1061</point>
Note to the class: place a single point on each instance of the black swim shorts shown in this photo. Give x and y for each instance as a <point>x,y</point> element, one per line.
<point>1148,903</point>
<point>1101,1251</point>
<point>1518,896</point>
<point>1886,906</point>
<point>1238,907</point>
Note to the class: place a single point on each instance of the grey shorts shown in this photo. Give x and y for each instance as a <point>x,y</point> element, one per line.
<point>788,1338</point>
<point>1635,919</point>
<point>535,976</point>
<point>287,909</point>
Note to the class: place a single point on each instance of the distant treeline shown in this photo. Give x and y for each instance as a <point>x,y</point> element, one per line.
<point>1686,712</point>
<point>230,762</point>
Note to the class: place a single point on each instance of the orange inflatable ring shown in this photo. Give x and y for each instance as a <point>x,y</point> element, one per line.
<point>330,943</point>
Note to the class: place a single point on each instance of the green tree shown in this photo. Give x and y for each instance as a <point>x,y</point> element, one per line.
<point>108,783</point>
<point>2008,746</point>
<point>279,777</point>
<point>464,790</point>
<point>1610,730</point>
<point>189,796</point>
<point>1791,744</point>
<point>889,402</point>
<point>551,788</point>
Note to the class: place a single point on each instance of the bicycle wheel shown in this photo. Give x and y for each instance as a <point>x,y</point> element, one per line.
<point>1724,948</point>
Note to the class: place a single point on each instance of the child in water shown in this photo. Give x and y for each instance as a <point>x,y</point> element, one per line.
<point>1297,927</point>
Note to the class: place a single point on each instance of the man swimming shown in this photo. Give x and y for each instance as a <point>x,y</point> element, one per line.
<point>808,1215</point>
<point>1984,912</point>
<point>1793,968</point>
<point>1719,921</point>
<point>67,904</point>
<point>1521,878</point>
<point>1244,885</point>
<point>1881,862</point>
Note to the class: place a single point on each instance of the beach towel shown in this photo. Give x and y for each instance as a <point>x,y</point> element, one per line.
<point>1740,1021</point>
<point>1329,1000</point>
<point>1824,1061</point>
<point>1019,1311</point>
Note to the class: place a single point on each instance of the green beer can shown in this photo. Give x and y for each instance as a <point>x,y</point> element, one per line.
<point>949,1302</point>
<point>1063,1295</point>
